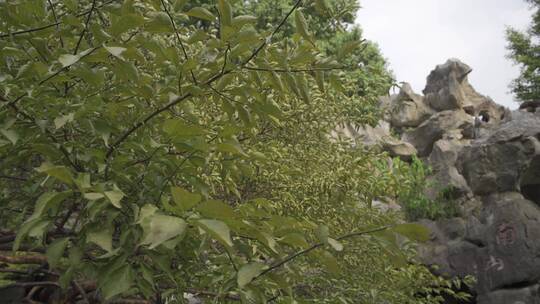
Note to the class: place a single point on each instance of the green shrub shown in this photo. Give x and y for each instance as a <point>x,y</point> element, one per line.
<point>412,197</point>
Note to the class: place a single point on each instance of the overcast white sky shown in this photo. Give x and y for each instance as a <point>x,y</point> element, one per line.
<point>417,35</point>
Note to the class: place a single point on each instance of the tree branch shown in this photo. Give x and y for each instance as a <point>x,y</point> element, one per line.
<point>81,292</point>
<point>56,21</point>
<point>293,70</point>
<point>44,27</point>
<point>22,179</point>
<point>315,246</point>
<point>83,32</point>
<point>179,99</point>
<point>178,38</point>
<point>148,117</point>
<point>254,54</point>
<point>24,259</point>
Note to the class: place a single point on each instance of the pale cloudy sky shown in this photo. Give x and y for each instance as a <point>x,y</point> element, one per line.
<point>416,35</point>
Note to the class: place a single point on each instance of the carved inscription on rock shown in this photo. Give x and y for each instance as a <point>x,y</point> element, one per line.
<point>506,234</point>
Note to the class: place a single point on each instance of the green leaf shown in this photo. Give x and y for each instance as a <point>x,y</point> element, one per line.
<point>183,199</point>
<point>55,251</point>
<point>116,51</point>
<point>59,122</point>
<point>11,135</point>
<point>225,12</point>
<point>83,181</point>
<point>127,71</point>
<point>47,201</point>
<point>93,196</point>
<point>159,23</point>
<point>322,7</point>
<point>322,233</point>
<point>102,238</point>
<point>335,244</point>
<point>177,127</point>
<point>218,229</point>
<point>329,261</point>
<point>68,59</point>
<point>118,282</point>
<point>248,272</point>
<point>412,231</point>
<point>231,147</point>
<point>29,227</point>
<point>201,13</point>
<point>216,209</point>
<point>301,25</point>
<point>179,4</point>
<point>347,48</point>
<point>241,20</point>
<point>60,172</point>
<point>115,196</point>
<point>125,23</point>
<point>160,228</point>
<point>319,78</point>
<point>294,239</point>
<point>146,212</point>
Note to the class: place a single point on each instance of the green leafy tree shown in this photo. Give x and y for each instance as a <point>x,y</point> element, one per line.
<point>153,150</point>
<point>525,51</point>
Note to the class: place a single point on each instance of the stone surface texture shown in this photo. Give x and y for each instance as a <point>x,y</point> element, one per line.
<point>488,157</point>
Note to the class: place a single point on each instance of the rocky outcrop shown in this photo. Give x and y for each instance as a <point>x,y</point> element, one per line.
<point>443,160</point>
<point>488,158</point>
<point>442,125</point>
<point>408,108</point>
<point>375,137</point>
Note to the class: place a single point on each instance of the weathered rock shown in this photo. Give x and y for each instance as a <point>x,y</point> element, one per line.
<point>385,205</point>
<point>445,176</point>
<point>397,148</point>
<point>489,157</point>
<point>408,108</point>
<point>375,136</point>
<point>500,248</point>
<point>366,134</point>
<point>530,106</point>
<point>516,295</point>
<point>497,162</point>
<point>448,88</point>
<point>444,88</point>
<point>530,181</point>
<point>512,253</point>
<point>446,124</point>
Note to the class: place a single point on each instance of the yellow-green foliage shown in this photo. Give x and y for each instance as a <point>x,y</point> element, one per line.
<point>158,148</point>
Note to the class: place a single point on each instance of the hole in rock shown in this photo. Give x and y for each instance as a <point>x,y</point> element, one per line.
<point>530,181</point>
<point>484,116</point>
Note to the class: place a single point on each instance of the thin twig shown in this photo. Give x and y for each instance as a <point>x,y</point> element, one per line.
<point>294,70</point>
<point>263,44</point>
<point>179,99</point>
<point>50,135</point>
<point>56,21</point>
<point>81,292</point>
<point>14,178</point>
<point>178,38</point>
<point>315,246</point>
<point>44,27</point>
<point>231,260</point>
<point>44,80</point>
<point>205,293</point>
<point>83,32</point>
<point>225,59</point>
<point>24,259</point>
<point>32,284</point>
